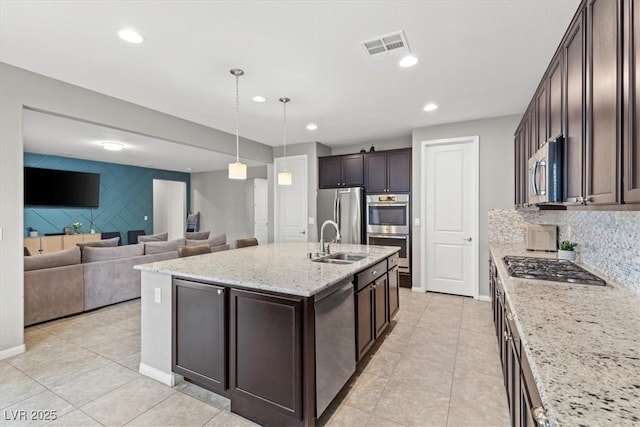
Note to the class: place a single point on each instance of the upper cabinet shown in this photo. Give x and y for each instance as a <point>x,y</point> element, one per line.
<point>604,95</point>
<point>588,94</point>
<point>378,172</point>
<point>388,171</point>
<point>574,111</point>
<point>631,113</point>
<point>341,171</point>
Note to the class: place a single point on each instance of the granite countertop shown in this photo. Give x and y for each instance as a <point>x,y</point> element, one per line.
<point>582,342</point>
<point>277,267</point>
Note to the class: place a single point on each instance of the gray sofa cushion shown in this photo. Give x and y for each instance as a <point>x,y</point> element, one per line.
<point>91,254</point>
<point>52,292</point>
<point>54,259</point>
<point>197,235</point>
<point>160,237</point>
<point>104,243</point>
<point>220,239</point>
<point>151,248</point>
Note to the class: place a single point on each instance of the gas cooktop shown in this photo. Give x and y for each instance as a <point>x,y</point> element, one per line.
<point>550,269</point>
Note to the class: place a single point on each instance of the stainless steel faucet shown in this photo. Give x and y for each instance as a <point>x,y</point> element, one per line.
<point>324,224</point>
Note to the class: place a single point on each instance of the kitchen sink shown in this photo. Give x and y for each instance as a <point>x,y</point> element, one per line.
<point>341,258</point>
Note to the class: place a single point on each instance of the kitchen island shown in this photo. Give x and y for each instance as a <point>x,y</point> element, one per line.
<point>276,332</point>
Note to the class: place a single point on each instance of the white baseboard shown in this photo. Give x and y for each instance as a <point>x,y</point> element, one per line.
<point>167,378</point>
<point>485,298</point>
<point>5,354</point>
<point>420,290</point>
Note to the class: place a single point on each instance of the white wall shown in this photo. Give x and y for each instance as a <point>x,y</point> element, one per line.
<point>169,207</point>
<point>20,88</point>
<point>225,204</point>
<point>496,177</point>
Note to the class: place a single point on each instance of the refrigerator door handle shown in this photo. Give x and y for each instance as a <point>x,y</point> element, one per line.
<point>335,208</point>
<point>339,219</point>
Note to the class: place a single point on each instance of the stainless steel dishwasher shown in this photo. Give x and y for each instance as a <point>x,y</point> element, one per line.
<point>335,342</point>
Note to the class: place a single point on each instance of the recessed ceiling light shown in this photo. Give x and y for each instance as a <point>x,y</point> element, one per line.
<point>131,36</point>
<point>408,61</point>
<point>259,98</point>
<point>430,107</point>
<point>312,126</point>
<point>112,146</point>
<point>189,169</point>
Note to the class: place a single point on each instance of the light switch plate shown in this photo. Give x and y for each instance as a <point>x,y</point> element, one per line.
<point>158,295</point>
<point>312,220</point>
<point>416,221</point>
<point>145,218</point>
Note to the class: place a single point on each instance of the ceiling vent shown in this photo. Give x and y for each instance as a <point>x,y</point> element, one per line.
<point>387,46</point>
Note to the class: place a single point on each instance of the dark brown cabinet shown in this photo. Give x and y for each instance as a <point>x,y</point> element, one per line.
<point>388,171</point>
<point>574,128</point>
<point>588,94</point>
<point>341,171</point>
<point>631,113</point>
<point>372,306</point>
<point>365,332</point>
<point>604,92</point>
<point>523,398</point>
<point>554,118</point>
<point>265,355</point>
<point>541,116</point>
<point>199,333</point>
<point>394,289</point>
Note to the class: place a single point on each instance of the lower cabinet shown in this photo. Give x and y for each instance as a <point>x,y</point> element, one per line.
<point>525,404</point>
<point>365,332</point>
<point>381,295</point>
<point>394,289</point>
<point>199,333</point>
<point>266,353</point>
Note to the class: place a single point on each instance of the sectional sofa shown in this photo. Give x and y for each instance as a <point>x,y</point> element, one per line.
<point>78,279</point>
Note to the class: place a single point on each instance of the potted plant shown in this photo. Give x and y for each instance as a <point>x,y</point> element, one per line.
<point>77,226</point>
<point>33,232</point>
<point>567,250</point>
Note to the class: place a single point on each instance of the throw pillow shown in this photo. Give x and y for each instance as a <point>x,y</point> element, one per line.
<point>160,237</point>
<point>104,243</point>
<point>197,235</point>
<point>93,254</point>
<point>54,259</point>
<point>151,248</point>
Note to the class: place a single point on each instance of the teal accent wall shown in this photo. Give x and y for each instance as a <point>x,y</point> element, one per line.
<point>126,196</point>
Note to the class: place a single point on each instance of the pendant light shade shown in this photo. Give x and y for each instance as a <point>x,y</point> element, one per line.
<point>285,177</point>
<point>237,170</point>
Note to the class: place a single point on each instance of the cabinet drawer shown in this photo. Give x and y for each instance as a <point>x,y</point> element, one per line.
<point>392,261</point>
<point>370,274</point>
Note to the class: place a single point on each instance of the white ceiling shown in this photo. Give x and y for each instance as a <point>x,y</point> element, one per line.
<point>50,134</point>
<point>476,59</point>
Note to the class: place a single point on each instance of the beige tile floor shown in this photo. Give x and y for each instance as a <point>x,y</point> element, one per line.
<point>438,365</point>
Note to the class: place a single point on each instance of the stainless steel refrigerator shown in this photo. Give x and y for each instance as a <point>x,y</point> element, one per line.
<point>345,206</point>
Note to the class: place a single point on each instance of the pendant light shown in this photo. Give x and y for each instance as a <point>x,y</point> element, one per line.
<point>237,170</point>
<point>284,177</point>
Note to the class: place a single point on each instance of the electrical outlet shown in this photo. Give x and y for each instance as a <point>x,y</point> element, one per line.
<point>312,220</point>
<point>146,217</point>
<point>417,222</point>
<point>158,296</point>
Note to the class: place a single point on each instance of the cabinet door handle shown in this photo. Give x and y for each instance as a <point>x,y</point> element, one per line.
<point>507,336</point>
<point>540,416</point>
<point>510,316</point>
<point>220,291</point>
<point>373,273</point>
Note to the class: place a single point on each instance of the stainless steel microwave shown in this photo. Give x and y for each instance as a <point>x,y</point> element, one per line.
<point>545,173</point>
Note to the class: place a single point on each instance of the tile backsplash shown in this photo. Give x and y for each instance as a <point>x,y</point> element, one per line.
<point>608,241</point>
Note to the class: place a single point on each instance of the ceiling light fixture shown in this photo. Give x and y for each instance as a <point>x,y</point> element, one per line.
<point>430,107</point>
<point>112,146</point>
<point>312,126</point>
<point>131,36</point>
<point>237,170</point>
<point>408,61</point>
<point>284,177</point>
<point>259,98</point>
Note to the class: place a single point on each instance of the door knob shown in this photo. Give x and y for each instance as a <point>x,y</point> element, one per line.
<point>303,232</point>
<point>468,239</point>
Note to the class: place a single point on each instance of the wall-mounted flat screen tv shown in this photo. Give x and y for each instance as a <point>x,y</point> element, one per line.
<point>51,187</point>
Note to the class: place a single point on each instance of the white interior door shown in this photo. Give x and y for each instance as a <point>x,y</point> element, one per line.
<point>450,213</point>
<point>291,201</point>
<point>169,207</point>
<point>260,210</point>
